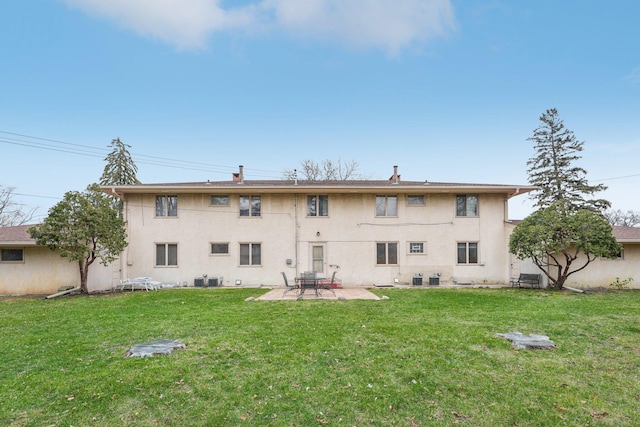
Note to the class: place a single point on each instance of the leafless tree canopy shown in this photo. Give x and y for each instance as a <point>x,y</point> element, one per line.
<point>328,170</point>
<point>11,213</point>
<point>628,218</point>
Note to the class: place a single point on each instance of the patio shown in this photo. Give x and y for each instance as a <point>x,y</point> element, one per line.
<point>340,294</point>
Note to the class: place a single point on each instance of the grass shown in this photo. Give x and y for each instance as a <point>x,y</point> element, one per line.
<point>422,357</point>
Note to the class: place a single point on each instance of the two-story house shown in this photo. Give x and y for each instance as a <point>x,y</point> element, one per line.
<point>373,232</point>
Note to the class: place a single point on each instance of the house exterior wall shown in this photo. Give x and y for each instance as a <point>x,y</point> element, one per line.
<point>348,237</point>
<point>603,271</point>
<point>42,272</point>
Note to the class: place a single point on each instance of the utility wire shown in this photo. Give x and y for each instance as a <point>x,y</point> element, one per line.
<point>90,151</point>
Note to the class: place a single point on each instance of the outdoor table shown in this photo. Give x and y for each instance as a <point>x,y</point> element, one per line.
<point>305,283</point>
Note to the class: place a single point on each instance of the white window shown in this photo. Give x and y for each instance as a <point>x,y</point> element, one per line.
<point>413,200</point>
<point>416,247</point>
<point>466,205</point>
<point>219,200</point>
<point>467,252</point>
<point>250,254</point>
<point>166,205</point>
<point>219,249</point>
<point>317,205</point>
<point>386,206</point>
<point>386,253</point>
<point>11,255</point>
<point>166,254</point>
<point>250,205</point>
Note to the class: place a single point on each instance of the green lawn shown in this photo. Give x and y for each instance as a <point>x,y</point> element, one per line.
<point>422,357</point>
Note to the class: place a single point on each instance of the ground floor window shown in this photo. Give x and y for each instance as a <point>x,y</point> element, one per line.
<point>166,254</point>
<point>416,247</point>
<point>467,252</point>
<point>250,254</point>
<point>11,255</point>
<point>386,253</point>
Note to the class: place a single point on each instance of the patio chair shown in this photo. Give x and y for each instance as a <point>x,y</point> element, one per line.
<point>287,286</point>
<point>324,286</point>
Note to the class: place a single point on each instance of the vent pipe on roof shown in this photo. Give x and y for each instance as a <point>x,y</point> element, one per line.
<point>295,177</point>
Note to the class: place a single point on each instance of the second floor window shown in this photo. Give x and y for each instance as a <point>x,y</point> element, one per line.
<point>219,200</point>
<point>386,206</point>
<point>250,205</point>
<point>317,205</point>
<point>166,205</point>
<point>466,205</point>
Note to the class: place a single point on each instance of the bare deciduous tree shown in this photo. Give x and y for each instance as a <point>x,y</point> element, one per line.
<point>11,213</point>
<point>328,170</point>
<point>627,219</point>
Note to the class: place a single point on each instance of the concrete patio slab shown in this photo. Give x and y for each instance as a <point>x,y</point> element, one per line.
<point>340,294</point>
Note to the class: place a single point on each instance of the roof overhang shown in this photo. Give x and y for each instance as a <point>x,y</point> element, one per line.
<point>331,187</point>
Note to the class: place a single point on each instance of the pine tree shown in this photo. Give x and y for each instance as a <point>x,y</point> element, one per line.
<point>553,169</point>
<point>119,170</point>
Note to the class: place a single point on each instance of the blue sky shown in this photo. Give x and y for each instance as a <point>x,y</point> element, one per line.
<point>447,90</point>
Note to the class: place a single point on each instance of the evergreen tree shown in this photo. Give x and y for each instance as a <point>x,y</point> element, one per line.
<point>568,231</point>
<point>553,169</point>
<point>119,170</point>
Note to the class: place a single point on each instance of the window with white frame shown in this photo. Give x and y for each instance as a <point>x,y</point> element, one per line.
<point>415,200</point>
<point>467,252</point>
<point>416,247</point>
<point>386,206</point>
<point>317,205</point>
<point>166,254</point>
<point>250,205</point>
<point>166,205</point>
<point>250,254</point>
<point>387,253</point>
<point>11,255</point>
<point>466,205</point>
<point>219,200</point>
<point>219,249</point>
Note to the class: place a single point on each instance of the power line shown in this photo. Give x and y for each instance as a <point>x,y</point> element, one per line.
<point>616,177</point>
<point>90,151</point>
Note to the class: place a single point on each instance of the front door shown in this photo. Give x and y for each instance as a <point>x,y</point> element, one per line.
<point>317,258</point>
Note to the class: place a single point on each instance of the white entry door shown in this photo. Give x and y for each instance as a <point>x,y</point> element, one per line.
<point>318,252</point>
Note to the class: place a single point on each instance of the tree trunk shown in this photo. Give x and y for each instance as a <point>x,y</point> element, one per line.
<point>84,272</point>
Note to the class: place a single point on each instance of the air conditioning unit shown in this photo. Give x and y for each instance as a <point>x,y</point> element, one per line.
<point>198,282</point>
<point>213,281</point>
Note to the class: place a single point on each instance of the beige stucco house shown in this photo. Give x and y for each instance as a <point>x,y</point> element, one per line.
<point>372,232</point>
<point>604,271</point>
<point>29,269</point>
<point>245,232</point>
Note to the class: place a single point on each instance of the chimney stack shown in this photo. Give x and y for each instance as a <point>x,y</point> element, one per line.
<point>239,176</point>
<point>395,178</point>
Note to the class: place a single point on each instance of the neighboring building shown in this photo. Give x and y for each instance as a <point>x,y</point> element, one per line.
<point>604,271</point>
<point>378,232</point>
<point>29,269</point>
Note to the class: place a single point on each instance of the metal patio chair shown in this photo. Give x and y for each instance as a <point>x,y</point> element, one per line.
<point>288,287</point>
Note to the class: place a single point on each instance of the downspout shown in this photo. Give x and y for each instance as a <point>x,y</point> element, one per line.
<point>297,232</point>
<point>123,265</point>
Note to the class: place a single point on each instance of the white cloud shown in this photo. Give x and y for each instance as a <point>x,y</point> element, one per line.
<point>387,24</point>
<point>183,23</point>
<point>390,25</point>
